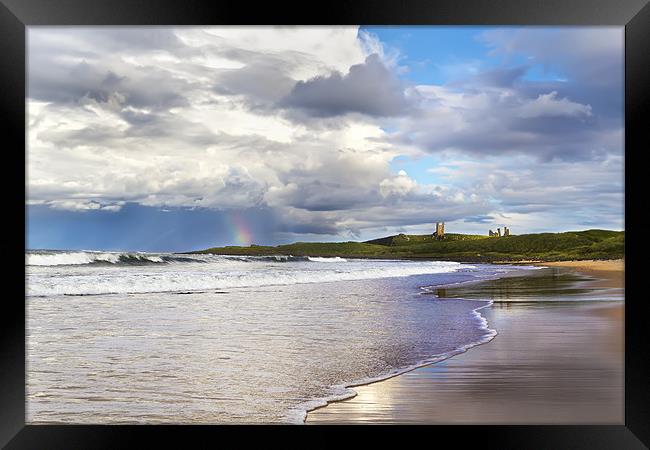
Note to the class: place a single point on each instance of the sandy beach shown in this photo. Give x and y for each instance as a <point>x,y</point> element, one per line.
<point>610,273</point>
<point>557,358</point>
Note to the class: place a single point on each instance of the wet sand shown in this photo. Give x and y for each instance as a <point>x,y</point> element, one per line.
<point>611,273</point>
<point>553,362</point>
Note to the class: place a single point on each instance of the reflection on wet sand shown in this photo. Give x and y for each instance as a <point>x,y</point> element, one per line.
<point>545,284</point>
<point>558,358</point>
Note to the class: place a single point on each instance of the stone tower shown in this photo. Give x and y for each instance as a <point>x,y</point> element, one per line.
<point>440,231</point>
<point>506,232</point>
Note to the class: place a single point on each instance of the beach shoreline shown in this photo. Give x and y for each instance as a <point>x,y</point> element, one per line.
<point>610,273</point>
<point>550,363</point>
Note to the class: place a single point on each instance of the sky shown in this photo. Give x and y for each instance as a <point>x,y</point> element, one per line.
<point>175,139</point>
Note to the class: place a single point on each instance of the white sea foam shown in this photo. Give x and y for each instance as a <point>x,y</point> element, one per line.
<point>342,392</point>
<point>335,259</point>
<point>81,258</point>
<point>218,273</point>
<point>73,258</point>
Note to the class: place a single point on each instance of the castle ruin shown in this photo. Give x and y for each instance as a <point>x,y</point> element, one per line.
<point>506,232</point>
<point>439,234</point>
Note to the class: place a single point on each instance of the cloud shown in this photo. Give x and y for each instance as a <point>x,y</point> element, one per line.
<point>221,145</point>
<point>545,196</point>
<point>507,121</point>
<point>261,80</point>
<point>399,185</point>
<point>549,105</point>
<point>306,123</point>
<point>500,77</point>
<point>84,205</point>
<point>369,88</point>
<point>479,219</point>
<point>372,45</point>
<point>70,80</point>
<point>589,59</point>
<point>564,102</point>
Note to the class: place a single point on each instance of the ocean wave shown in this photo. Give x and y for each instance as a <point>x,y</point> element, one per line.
<point>266,258</point>
<point>217,275</point>
<point>76,258</point>
<point>340,392</point>
<point>101,258</point>
<point>335,259</point>
<point>281,258</point>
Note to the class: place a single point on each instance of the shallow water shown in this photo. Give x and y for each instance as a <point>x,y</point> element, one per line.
<point>154,339</point>
<point>548,284</point>
<point>557,359</point>
<point>551,363</point>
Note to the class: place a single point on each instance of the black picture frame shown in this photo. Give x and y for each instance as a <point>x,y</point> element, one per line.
<point>16,15</point>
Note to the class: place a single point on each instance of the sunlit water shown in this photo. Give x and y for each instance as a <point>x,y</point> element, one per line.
<point>126,338</point>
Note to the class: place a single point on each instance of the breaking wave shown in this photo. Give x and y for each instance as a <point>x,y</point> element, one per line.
<point>99,258</point>
<point>87,273</point>
<point>75,258</point>
<point>335,259</point>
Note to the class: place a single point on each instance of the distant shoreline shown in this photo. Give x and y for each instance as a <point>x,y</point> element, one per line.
<point>607,265</point>
<point>524,248</point>
<point>608,273</point>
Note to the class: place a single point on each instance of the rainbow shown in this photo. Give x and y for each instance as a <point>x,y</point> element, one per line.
<point>239,229</point>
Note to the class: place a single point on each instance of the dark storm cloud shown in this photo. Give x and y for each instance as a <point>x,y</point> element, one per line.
<point>86,63</point>
<point>544,138</point>
<point>263,78</point>
<point>533,137</point>
<point>318,227</point>
<point>519,119</point>
<point>369,88</point>
<point>327,196</point>
<point>153,88</point>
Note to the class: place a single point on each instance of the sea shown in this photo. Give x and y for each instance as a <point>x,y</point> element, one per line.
<point>132,337</point>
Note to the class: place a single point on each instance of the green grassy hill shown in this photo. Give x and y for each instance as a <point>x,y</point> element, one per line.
<point>412,239</point>
<point>572,245</point>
